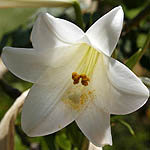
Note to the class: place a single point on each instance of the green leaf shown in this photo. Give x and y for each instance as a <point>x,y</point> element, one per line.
<point>49,139</point>
<point>73,132</point>
<point>134,59</point>
<point>128,126</point>
<point>131,62</point>
<point>63,142</point>
<point>124,123</point>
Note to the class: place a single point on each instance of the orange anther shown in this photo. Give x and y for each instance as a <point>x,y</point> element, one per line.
<point>76,78</point>
<point>85,83</point>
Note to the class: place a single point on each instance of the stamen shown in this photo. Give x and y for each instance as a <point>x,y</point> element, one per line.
<point>75,77</point>
<point>86,67</point>
<point>84,80</point>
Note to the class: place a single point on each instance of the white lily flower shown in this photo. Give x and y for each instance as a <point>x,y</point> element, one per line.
<point>75,78</point>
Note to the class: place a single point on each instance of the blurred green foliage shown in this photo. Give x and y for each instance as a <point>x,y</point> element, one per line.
<point>15,31</point>
<point>12,18</point>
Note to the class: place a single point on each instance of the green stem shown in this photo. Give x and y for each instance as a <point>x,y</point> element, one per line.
<point>79,19</point>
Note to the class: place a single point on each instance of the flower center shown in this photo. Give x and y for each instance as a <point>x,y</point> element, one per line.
<point>86,67</point>
<point>81,93</point>
<point>78,96</point>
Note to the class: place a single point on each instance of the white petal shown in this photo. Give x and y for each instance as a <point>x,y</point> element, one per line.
<point>44,112</point>
<point>27,64</point>
<point>50,32</point>
<point>93,147</point>
<point>95,124</point>
<point>118,89</point>
<point>64,55</point>
<point>105,32</point>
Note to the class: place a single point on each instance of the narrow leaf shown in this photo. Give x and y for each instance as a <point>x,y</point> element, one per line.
<point>131,62</point>
<point>127,126</point>
<point>133,59</point>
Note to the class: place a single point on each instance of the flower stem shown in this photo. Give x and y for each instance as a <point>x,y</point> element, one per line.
<point>79,19</point>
